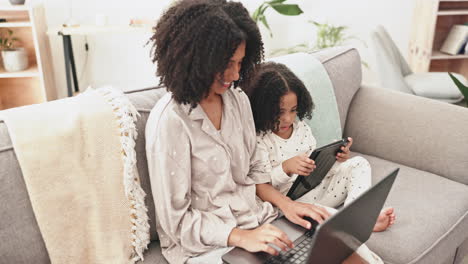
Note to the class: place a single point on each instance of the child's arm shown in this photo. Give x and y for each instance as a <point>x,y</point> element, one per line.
<point>293,210</point>
<point>281,173</point>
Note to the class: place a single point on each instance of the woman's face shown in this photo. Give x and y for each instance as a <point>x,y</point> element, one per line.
<point>288,113</point>
<point>223,81</point>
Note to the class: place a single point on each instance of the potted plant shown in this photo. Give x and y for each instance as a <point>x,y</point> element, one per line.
<point>14,58</point>
<point>329,35</point>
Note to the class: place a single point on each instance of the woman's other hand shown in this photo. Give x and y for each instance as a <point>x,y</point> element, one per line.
<point>260,239</point>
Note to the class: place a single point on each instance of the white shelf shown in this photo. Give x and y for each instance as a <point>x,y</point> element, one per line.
<point>452,12</point>
<point>32,71</point>
<point>437,55</point>
<point>92,29</point>
<point>7,7</point>
<point>15,24</point>
<point>37,82</point>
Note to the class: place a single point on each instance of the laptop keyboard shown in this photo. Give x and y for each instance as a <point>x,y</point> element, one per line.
<point>296,255</point>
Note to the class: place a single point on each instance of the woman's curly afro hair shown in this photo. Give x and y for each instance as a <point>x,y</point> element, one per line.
<point>195,39</point>
<point>271,82</point>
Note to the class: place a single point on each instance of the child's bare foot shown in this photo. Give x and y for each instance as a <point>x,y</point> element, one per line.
<point>385,220</point>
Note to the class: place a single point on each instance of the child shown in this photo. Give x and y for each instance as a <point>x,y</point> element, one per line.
<point>277,97</point>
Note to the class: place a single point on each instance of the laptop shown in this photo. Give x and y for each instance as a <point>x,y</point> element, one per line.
<point>331,242</point>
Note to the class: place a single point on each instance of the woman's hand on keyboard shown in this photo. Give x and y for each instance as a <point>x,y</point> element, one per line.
<point>300,164</point>
<point>260,239</point>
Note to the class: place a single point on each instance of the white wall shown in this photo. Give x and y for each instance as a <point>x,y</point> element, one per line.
<point>123,60</point>
<point>360,16</point>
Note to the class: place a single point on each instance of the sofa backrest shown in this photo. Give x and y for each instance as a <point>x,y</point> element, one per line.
<point>22,233</point>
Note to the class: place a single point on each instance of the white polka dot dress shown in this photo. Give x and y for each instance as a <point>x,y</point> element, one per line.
<point>344,182</point>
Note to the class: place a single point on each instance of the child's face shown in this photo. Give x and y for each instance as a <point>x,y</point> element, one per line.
<point>288,113</point>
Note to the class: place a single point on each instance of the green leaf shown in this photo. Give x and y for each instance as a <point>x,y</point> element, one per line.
<point>341,28</point>
<point>262,13</point>
<point>275,2</point>
<point>259,12</point>
<point>263,9</point>
<point>255,14</point>
<point>298,48</point>
<point>287,9</point>
<point>463,89</point>
<point>315,23</point>
<point>265,23</point>
<point>365,64</point>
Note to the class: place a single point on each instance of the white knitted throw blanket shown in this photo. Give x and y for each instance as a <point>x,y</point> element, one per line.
<point>78,159</point>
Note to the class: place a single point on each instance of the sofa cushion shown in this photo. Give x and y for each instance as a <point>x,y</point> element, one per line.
<point>21,239</point>
<point>435,85</point>
<point>431,215</point>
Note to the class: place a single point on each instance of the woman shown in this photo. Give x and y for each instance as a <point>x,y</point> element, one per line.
<point>201,138</point>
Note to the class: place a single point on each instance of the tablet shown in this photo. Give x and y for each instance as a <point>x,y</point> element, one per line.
<point>324,158</point>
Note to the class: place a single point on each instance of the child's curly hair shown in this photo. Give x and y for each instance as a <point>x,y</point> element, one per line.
<point>271,82</point>
<point>194,40</point>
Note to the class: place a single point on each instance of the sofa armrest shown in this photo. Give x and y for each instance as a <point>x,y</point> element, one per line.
<point>413,131</point>
<point>20,235</point>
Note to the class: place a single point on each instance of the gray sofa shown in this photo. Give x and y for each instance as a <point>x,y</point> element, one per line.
<point>427,139</point>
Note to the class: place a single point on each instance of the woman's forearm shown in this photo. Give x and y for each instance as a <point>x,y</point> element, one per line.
<point>268,193</point>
